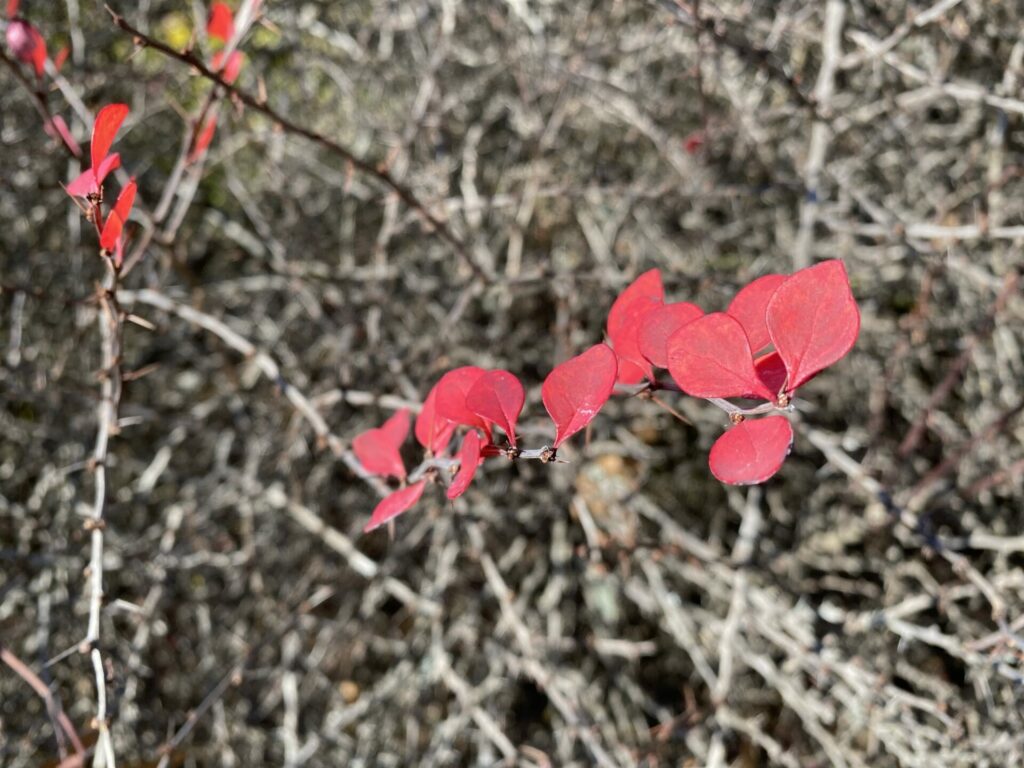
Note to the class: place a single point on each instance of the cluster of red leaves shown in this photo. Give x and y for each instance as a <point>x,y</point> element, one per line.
<point>27,45</point>
<point>89,184</point>
<point>220,29</point>
<point>777,333</point>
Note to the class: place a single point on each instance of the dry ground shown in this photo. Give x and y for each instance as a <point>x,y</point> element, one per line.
<point>863,608</point>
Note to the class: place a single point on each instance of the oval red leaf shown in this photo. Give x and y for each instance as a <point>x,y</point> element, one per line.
<point>658,325</point>
<point>813,320</point>
<point>752,451</point>
<point>749,305</point>
<point>451,397</point>
<point>711,357</point>
<point>576,390</point>
<point>469,458</point>
<point>624,319</point>
<point>104,129</point>
<point>394,504</point>
<point>498,396</point>
<point>433,431</point>
<point>378,449</point>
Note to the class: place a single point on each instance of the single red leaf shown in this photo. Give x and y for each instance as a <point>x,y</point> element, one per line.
<point>813,320</point>
<point>61,58</point>
<point>203,139</point>
<point>711,357</point>
<point>752,451</point>
<point>451,397</point>
<point>231,69</point>
<point>748,306</point>
<point>221,25</point>
<point>498,397</point>
<point>38,57</point>
<point>378,449</point>
<point>469,460</point>
<point>433,431</point>
<point>576,390</point>
<point>771,370</point>
<point>394,504</point>
<point>12,8</point>
<point>118,217</point>
<point>658,325</point>
<point>396,429</point>
<point>624,318</point>
<point>104,129</point>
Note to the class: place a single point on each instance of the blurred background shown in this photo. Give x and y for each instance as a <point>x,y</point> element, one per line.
<point>864,607</point>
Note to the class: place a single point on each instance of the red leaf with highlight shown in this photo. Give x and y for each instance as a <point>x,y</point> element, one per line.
<point>752,451</point>
<point>576,390</point>
<point>813,320</point>
<point>711,357</point>
<point>221,25</point>
<point>469,458</point>
<point>88,183</point>
<point>104,129</point>
<point>748,306</point>
<point>118,217</point>
<point>498,396</point>
<point>641,297</point>
<point>378,449</point>
<point>451,397</point>
<point>659,325</point>
<point>394,504</point>
<point>433,431</point>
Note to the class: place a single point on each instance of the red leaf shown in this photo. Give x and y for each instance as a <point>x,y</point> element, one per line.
<point>221,25</point>
<point>748,306</point>
<point>451,397</point>
<point>118,217</point>
<point>88,183</point>
<point>624,319</point>
<point>104,129</point>
<point>576,390</point>
<point>433,431</point>
<point>498,396</point>
<point>378,449</point>
<point>203,140</point>
<point>711,357</point>
<point>469,458</point>
<point>396,429</point>
<point>38,53</point>
<point>813,320</point>
<point>20,39</point>
<point>231,69</point>
<point>12,8</point>
<point>394,504</point>
<point>658,325</point>
<point>752,451</point>
<point>61,57</point>
<point>771,370</point>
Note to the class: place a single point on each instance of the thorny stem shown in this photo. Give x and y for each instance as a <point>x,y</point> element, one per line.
<point>110,322</point>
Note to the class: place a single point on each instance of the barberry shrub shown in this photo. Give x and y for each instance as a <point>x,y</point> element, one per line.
<point>778,333</point>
